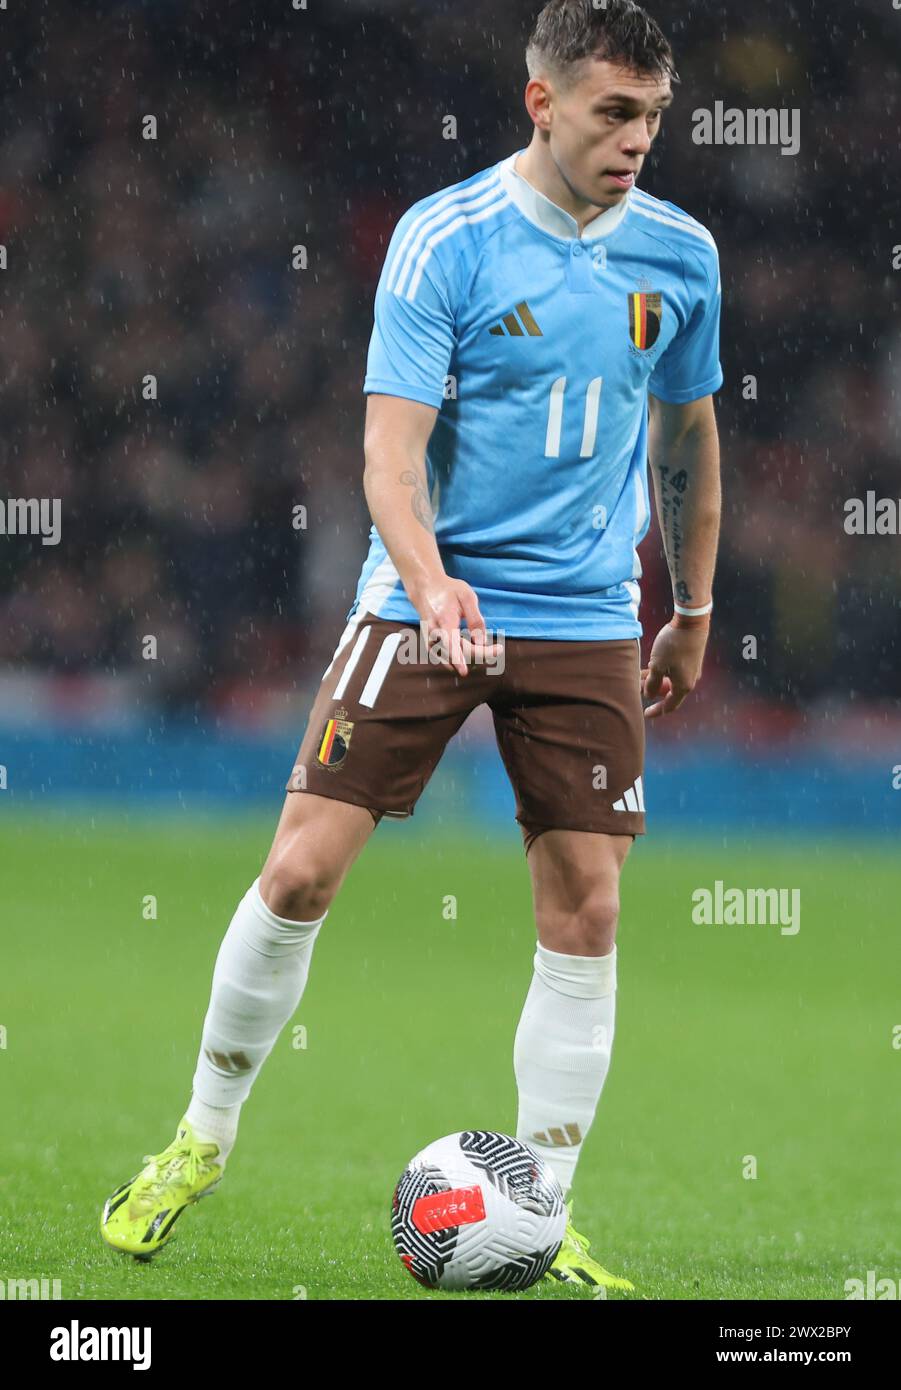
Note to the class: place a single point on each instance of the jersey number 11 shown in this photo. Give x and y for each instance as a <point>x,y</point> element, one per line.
<point>555,418</point>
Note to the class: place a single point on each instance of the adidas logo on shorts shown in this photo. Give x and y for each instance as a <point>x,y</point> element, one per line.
<point>631,800</point>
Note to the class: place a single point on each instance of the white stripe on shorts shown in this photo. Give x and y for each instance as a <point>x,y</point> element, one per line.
<point>380,668</point>
<point>351,662</point>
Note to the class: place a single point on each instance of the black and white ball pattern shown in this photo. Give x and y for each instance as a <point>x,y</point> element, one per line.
<point>478,1210</point>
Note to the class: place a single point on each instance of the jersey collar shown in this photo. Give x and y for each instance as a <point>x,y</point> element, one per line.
<point>547,215</point>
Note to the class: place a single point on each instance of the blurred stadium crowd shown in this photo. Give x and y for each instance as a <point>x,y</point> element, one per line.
<point>276,127</point>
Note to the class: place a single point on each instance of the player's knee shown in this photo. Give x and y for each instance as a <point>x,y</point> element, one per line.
<point>590,928</point>
<point>295,883</point>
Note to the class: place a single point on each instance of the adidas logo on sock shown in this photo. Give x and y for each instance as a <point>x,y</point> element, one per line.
<point>232,1062</point>
<point>568,1136</point>
<point>631,800</point>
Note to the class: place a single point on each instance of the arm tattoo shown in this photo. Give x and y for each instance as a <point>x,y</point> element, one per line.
<point>419,502</point>
<point>672,496</point>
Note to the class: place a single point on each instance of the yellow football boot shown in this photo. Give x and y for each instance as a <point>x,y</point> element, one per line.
<point>138,1217</point>
<point>574,1265</point>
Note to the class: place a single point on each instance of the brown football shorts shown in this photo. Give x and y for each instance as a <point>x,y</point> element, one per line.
<point>568,719</point>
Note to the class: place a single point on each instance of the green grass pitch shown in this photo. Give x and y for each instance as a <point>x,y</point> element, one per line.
<point>731,1041</point>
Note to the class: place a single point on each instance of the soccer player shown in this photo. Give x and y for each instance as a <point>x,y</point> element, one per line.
<point>541,329</point>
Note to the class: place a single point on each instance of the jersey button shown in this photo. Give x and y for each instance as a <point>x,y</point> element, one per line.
<point>577,248</point>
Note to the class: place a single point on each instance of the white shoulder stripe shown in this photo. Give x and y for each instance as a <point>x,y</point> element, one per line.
<point>700,232</point>
<point>447,231</point>
<point>450,216</point>
<point>443,206</point>
<point>656,205</point>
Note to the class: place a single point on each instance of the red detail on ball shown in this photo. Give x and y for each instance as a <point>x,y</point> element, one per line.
<point>444,1210</point>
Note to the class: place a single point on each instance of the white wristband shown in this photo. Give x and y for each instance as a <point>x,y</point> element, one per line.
<point>693,612</point>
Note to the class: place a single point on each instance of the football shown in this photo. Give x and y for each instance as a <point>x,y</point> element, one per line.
<point>478,1210</point>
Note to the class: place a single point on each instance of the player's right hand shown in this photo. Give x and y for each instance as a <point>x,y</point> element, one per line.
<point>445,605</point>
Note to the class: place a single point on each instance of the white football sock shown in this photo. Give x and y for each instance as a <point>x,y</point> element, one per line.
<point>561,1054</point>
<point>214,1124</point>
<point>258,982</point>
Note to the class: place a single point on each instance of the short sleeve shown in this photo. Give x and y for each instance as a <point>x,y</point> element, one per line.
<point>414,333</point>
<point>690,367</point>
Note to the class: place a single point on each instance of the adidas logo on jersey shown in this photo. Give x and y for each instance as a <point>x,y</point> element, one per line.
<point>631,800</point>
<point>512,327</point>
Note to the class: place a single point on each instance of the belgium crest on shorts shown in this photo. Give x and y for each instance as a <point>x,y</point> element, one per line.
<point>335,741</point>
<point>645,314</point>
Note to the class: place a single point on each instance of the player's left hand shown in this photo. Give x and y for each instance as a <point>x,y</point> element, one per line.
<point>674,667</point>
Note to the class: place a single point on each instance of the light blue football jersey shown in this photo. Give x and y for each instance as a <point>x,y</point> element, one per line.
<point>539,348</point>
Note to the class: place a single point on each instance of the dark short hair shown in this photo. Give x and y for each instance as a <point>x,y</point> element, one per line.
<point>620,31</point>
